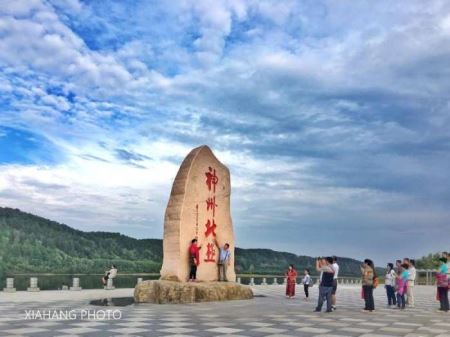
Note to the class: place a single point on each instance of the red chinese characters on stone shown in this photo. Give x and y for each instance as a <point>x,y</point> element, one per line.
<point>211,204</point>
<point>210,253</point>
<point>211,182</point>
<point>210,228</point>
<point>211,179</point>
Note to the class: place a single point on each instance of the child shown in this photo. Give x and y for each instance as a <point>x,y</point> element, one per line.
<point>401,285</point>
<point>306,283</point>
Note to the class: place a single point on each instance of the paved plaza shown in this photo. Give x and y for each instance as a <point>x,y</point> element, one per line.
<point>268,314</point>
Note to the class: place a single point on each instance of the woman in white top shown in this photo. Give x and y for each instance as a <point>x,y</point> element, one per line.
<point>306,282</point>
<point>389,283</point>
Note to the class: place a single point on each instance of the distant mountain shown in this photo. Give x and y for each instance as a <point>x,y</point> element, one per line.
<point>29,243</point>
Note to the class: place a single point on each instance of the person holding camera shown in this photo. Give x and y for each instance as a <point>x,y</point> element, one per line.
<point>324,266</point>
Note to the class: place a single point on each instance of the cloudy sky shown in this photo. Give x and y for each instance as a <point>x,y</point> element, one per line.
<point>333,116</point>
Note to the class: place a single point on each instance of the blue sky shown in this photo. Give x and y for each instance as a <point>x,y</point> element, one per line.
<point>333,117</point>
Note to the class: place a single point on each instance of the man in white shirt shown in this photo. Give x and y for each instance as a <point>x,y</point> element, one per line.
<point>335,267</point>
<point>411,281</point>
<point>223,261</point>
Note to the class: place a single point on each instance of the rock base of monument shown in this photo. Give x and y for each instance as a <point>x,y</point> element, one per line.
<point>161,292</point>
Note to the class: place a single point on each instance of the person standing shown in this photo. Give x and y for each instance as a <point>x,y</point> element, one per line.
<point>306,282</point>
<point>368,276</point>
<point>412,273</point>
<point>447,256</point>
<point>291,281</point>
<point>389,283</point>
<point>194,260</point>
<point>442,284</point>
<point>324,266</point>
<point>224,261</point>
<point>335,267</point>
<point>401,285</point>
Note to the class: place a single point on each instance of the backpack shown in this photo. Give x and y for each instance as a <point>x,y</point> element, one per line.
<point>375,282</point>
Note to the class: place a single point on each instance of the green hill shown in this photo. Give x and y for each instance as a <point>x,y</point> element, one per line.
<point>29,243</point>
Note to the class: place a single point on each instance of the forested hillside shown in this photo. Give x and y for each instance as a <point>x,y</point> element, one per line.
<point>29,243</point>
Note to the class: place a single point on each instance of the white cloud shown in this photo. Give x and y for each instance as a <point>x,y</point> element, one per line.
<point>316,109</point>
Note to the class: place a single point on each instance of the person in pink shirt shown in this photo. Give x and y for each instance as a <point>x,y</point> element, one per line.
<point>442,282</point>
<point>401,285</point>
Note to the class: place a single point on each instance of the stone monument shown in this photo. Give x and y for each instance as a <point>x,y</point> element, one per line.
<point>199,207</point>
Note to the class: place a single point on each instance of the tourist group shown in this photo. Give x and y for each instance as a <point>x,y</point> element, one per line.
<point>399,281</point>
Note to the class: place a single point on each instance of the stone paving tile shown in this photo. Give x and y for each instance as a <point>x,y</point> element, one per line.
<point>271,315</point>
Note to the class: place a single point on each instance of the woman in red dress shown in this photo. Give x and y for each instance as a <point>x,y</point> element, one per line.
<point>291,280</point>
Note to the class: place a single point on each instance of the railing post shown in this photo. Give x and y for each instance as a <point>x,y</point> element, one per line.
<point>139,280</point>
<point>9,285</point>
<point>33,284</point>
<point>252,281</point>
<point>264,282</point>
<point>75,284</point>
<point>238,280</point>
<point>284,281</point>
<point>275,281</point>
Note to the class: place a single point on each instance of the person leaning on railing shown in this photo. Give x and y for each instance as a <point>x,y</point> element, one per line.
<point>112,273</point>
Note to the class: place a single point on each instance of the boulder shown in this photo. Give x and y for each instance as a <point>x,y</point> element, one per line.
<point>162,291</point>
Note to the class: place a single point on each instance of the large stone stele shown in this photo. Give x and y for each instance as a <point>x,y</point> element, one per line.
<point>161,292</point>
<point>188,214</point>
<point>201,182</point>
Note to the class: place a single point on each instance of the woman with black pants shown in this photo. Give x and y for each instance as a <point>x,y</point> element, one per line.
<point>368,276</point>
<point>306,283</point>
<point>389,283</point>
